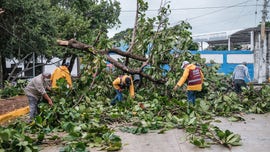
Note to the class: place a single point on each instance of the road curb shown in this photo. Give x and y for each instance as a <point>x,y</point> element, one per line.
<point>13,114</point>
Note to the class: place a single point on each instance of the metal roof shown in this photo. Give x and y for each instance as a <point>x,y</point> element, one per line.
<point>241,36</point>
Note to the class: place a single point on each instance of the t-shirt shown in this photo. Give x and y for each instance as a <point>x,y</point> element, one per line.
<point>240,72</point>
<point>36,87</point>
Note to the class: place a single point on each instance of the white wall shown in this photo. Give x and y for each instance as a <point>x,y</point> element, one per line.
<point>55,62</point>
<point>240,58</point>
<point>218,58</point>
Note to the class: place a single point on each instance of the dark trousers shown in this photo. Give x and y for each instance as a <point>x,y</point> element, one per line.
<point>238,84</point>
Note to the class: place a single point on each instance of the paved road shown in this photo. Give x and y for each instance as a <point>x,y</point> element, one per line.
<point>254,131</point>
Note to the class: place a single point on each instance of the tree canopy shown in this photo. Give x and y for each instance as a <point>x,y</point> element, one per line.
<point>34,26</point>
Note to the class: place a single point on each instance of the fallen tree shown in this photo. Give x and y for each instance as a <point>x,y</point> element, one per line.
<point>1,11</point>
<point>149,44</point>
<point>84,47</point>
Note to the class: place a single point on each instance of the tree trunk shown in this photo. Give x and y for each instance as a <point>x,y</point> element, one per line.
<point>4,74</point>
<point>1,73</point>
<point>72,43</point>
<point>72,60</point>
<point>1,11</point>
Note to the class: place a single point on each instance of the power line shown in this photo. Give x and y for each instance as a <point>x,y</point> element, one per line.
<point>256,12</point>
<point>227,22</point>
<point>241,13</point>
<point>212,12</point>
<point>231,6</point>
<point>199,8</point>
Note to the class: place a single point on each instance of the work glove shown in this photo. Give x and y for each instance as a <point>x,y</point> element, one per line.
<point>175,88</point>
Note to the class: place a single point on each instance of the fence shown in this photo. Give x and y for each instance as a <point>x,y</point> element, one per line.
<point>229,59</point>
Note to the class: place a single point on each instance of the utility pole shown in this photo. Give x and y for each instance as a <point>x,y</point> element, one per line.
<point>34,65</point>
<point>263,47</point>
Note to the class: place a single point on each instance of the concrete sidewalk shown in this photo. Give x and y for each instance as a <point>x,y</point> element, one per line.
<point>254,131</point>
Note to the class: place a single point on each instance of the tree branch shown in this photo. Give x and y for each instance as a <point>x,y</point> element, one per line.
<point>2,10</point>
<point>98,37</point>
<point>134,29</point>
<point>81,46</point>
<point>126,54</point>
<point>156,34</point>
<point>134,71</point>
<point>72,43</point>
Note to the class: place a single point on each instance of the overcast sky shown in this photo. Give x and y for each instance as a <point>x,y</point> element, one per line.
<point>205,16</point>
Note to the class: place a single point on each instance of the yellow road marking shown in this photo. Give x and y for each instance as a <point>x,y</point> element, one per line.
<point>14,114</point>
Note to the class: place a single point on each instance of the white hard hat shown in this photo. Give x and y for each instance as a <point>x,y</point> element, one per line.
<point>184,63</point>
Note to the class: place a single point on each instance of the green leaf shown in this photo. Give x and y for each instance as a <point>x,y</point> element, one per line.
<point>62,100</point>
<point>80,147</point>
<point>192,121</point>
<point>5,135</point>
<point>204,106</point>
<point>69,127</point>
<point>22,143</point>
<point>41,136</point>
<point>236,118</point>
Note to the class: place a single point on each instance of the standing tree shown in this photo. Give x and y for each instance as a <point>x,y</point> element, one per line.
<point>33,26</point>
<point>26,26</point>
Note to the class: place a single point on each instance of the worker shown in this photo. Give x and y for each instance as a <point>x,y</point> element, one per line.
<point>119,84</point>
<point>61,72</point>
<point>35,90</point>
<point>194,77</point>
<point>239,74</point>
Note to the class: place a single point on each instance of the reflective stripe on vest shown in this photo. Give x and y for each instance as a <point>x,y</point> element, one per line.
<point>194,76</point>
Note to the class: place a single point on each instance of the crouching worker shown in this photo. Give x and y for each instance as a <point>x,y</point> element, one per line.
<point>119,84</point>
<point>239,74</point>
<point>194,77</point>
<point>35,90</point>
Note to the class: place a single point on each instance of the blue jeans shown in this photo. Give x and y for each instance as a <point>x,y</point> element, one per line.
<point>191,95</point>
<point>118,97</point>
<point>33,105</point>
